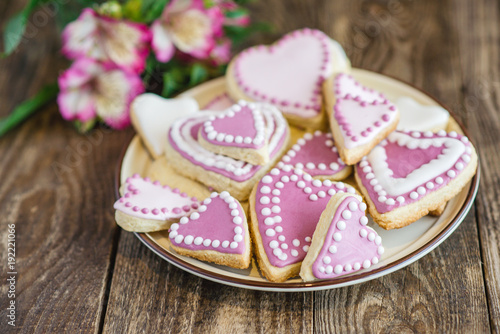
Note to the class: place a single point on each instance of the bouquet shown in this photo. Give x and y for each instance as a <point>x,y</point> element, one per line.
<point>120,49</point>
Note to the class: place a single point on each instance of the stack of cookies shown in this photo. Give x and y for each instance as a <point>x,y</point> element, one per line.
<point>268,163</point>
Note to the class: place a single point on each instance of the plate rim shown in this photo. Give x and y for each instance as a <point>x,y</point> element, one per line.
<point>320,284</point>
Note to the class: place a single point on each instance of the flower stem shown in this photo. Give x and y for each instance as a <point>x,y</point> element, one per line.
<point>28,107</point>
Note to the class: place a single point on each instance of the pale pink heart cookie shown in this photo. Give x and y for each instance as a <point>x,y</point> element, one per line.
<point>288,74</point>
<point>317,155</point>
<point>238,132</point>
<point>219,103</point>
<point>412,173</point>
<point>218,171</point>
<point>346,86</point>
<point>217,232</point>
<point>357,124</point>
<point>342,242</point>
<point>285,207</point>
<point>148,206</point>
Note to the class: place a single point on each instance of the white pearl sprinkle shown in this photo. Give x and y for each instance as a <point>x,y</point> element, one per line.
<point>439,180</point>
<point>338,269</point>
<point>265,211</point>
<point>332,249</point>
<point>308,239</point>
<point>363,233</point>
<point>198,241</point>
<point>225,244</point>
<point>184,220</point>
<point>305,248</point>
<point>278,229</point>
<point>348,267</point>
<point>362,206</point>
<point>215,243</point>
<point>307,190</point>
<point>264,200</point>
<point>413,195</point>
<point>327,260</point>
<point>346,214</point>
<point>337,236</point>
<point>274,244</point>
<point>451,173</point>
<point>294,253</point>
<point>237,220</point>
<point>363,220</point>
<point>371,236</point>
<point>270,232</point>
<point>296,242</point>
<point>341,225</point>
<point>421,190</point>
<point>267,179</point>
<point>301,184</point>
<point>313,197</point>
<point>265,190</point>
<point>328,269</point>
<point>367,264</point>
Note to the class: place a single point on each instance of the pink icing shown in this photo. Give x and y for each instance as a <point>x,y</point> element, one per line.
<point>361,122</point>
<point>288,74</point>
<point>219,225</point>
<point>349,245</point>
<point>183,137</point>
<point>316,154</point>
<point>241,126</point>
<point>150,200</point>
<point>288,204</point>
<point>219,103</point>
<point>408,165</point>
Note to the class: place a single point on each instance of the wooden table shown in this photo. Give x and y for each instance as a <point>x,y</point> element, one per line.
<point>77,271</point>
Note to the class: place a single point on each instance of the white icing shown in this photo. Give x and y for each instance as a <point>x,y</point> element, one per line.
<point>276,127</point>
<point>397,186</point>
<point>155,115</point>
<point>415,116</point>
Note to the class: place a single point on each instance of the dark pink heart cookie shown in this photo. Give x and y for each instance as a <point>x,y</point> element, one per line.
<point>316,154</point>
<point>288,204</point>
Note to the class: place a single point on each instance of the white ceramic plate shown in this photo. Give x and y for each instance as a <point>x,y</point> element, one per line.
<point>402,247</point>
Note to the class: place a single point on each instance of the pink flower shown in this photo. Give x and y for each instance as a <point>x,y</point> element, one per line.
<point>188,26</point>
<point>221,53</point>
<point>89,89</point>
<point>107,40</point>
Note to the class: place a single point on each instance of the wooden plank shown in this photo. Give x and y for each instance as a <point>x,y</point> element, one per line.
<point>57,188</point>
<point>479,49</point>
<point>150,295</point>
<point>444,291</point>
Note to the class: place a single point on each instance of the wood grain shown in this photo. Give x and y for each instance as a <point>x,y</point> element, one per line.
<point>57,187</point>
<point>479,50</point>
<point>149,295</point>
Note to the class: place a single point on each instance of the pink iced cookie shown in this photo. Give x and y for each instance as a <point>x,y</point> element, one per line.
<point>342,242</point>
<point>412,173</point>
<point>238,132</point>
<point>219,103</point>
<point>285,208</point>
<point>317,155</point>
<point>288,74</point>
<point>218,171</point>
<point>217,232</point>
<point>148,206</point>
<point>359,117</point>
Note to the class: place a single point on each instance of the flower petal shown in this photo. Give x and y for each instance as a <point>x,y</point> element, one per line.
<point>106,39</point>
<point>76,104</point>
<point>161,43</point>
<point>115,91</point>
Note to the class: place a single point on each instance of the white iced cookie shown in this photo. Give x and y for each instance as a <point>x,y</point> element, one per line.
<point>152,115</point>
<point>419,117</point>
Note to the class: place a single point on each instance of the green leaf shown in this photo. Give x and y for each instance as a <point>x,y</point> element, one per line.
<point>154,11</point>
<point>15,27</point>
<point>169,85</point>
<point>198,74</point>
<point>238,12</point>
<point>28,107</point>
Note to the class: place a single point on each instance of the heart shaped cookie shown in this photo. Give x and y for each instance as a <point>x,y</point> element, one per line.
<point>357,125</point>
<point>317,155</point>
<point>412,173</point>
<point>148,206</point>
<point>415,116</point>
<point>342,242</point>
<point>217,232</point>
<point>152,115</point>
<point>238,132</point>
<point>288,74</point>
<point>285,207</point>
<point>218,171</point>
